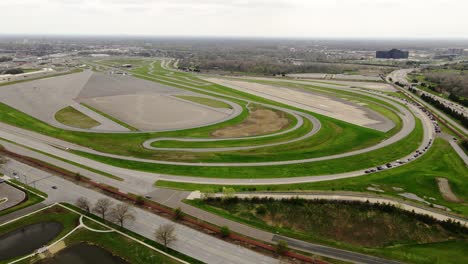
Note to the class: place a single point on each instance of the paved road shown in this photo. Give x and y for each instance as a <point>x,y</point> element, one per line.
<point>326,251</point>
<point>315,128</point>
<point>459,151</point>
<point>58,148</point>
<point>13,195</point>
<point>400,76</point>
<point>190,242</point>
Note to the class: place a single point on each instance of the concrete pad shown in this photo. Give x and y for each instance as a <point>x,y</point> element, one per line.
<point>103,84</point>
<point>156,112</point>
<point>325,105</point>
<point>43,98</point>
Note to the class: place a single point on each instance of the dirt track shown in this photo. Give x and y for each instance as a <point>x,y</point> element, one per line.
<point>261,121</point>
<point>446,191</point>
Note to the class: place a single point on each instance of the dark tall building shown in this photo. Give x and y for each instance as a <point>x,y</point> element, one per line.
<point>392,54</point>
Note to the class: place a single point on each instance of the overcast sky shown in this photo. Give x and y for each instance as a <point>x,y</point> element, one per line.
<point>261,18</point>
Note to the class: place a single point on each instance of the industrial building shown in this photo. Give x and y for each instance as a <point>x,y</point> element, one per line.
<point>392,54</point>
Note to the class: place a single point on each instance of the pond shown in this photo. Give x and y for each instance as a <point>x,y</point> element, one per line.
<point>27,239</point>
<point>84,253</point>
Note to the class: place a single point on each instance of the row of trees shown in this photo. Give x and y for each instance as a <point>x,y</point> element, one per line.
<point>122,214</point>
<point>458,99</point>
<point>271,67</point>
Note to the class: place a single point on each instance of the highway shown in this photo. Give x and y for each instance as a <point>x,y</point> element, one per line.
<point>400,76</point>
<point>190,242</point>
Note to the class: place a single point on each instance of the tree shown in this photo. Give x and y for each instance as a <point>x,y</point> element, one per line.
<point>102,207</point>
<point>122,213</point>
<point>225,232</point>
<point>178,214</point>
<point>139,200</point>
<point>281,247</point>
<point>165,234</point>
<point>228,193</point>
<point>83,204</point>
<point>3,161</point>
<point>78,176</point>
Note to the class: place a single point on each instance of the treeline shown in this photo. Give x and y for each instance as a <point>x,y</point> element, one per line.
<point>464,144</point>
<point>449,225</point>
<point>452,82</point>
<point>448,110</point>
<point>13,71</point>
<point>268,67</point>
<point>4,58</point>
<point>458,99</point>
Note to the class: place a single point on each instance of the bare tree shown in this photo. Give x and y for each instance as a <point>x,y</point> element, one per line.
<point>83,204</point>
<point>166,234</point>
<point>122,213</point>
<point>102,207</point>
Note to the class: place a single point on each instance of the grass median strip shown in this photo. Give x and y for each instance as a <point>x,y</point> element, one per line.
<point>71,117</point>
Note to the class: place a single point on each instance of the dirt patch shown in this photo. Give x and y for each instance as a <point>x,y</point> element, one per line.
<point>260,121</point>
<point>446,191</point>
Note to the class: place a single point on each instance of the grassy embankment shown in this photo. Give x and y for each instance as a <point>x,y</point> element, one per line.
<point>71,117</point>
<point>385,231</point>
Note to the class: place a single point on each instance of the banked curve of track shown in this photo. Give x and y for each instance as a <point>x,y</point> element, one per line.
<point>408,124</point>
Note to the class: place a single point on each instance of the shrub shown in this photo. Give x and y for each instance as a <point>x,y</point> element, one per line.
<point>281,247</point>
<point>225,232</point>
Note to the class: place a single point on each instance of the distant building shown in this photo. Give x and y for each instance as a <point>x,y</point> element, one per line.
<point>392,54</point>
<point>455,51</point>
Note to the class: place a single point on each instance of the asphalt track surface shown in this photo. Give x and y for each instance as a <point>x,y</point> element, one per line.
<point>406,116</point>
<point>59,148</point>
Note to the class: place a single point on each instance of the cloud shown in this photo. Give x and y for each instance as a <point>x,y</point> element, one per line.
<point>298,18</point>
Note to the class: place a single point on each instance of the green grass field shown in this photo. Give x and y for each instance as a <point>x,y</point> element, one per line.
<point>372,158</point>
<point>417,177</point>
<point>71,117</point>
